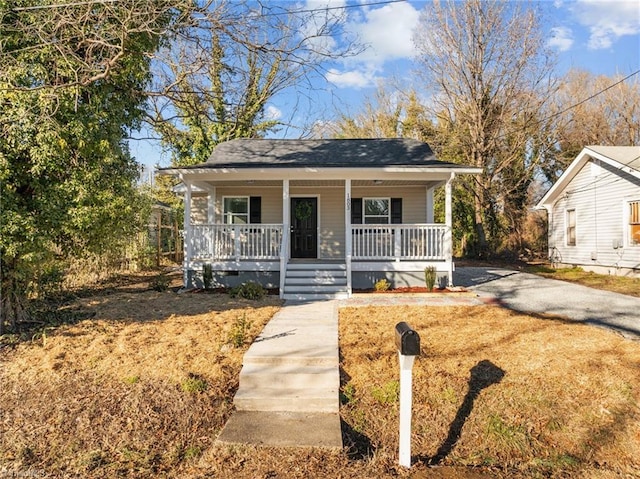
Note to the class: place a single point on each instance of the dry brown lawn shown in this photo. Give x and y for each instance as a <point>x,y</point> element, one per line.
<point>530,396</point>
<point>143,387</point>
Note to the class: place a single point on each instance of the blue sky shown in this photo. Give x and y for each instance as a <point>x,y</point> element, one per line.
<point>601,36</point>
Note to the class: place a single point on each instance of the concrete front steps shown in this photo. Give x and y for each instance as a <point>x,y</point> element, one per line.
<point>289,382</point>
<point>315,281</point>
<point>288,387</point>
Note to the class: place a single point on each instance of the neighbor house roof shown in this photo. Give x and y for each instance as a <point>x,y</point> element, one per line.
<point>624,158</point>
<point>328,153</point>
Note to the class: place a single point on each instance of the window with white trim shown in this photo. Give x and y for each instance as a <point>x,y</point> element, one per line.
<point>570,231</point>
<point>634,222</point>
<point>376,211</point>
<point>236,210</point>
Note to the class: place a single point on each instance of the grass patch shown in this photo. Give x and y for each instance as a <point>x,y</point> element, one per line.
<point>617,284</point>
<point>387,394</point>
<point>194,384</point>
<point>239,331</point>
<point>496,394</point>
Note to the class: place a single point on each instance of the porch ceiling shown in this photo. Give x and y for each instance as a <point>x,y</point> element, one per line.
<point>325,183</point>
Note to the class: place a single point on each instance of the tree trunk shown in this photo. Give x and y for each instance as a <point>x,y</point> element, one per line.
<point>479,206</point>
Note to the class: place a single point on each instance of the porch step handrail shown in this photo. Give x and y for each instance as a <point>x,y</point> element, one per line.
<point>399,241</point>
<point>236,242</point>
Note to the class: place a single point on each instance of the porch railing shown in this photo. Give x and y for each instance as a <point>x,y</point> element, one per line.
<point>369,242</point>
<point>239,242</point>
<point>406,242</point>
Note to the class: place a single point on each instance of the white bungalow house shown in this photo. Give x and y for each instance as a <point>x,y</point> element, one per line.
<point>317,218</point>
<point>594,211</point>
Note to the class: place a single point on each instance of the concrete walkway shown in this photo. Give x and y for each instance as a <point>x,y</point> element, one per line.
<point>290,380</point>
<point>290,377</point>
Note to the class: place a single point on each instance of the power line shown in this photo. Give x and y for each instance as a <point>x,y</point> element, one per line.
<point>594,183</point>
<point>505,134</point>
<point>269,14</point>
<point>63,5</point>
<point>327,8</point>
<point>591,97</point>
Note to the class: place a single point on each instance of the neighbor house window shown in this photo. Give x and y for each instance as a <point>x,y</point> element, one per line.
<point>236,210</point>
<point>571,227</point>
<point>376,211</point>
<point>634,222</point>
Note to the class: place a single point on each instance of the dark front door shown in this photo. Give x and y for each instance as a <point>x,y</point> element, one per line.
<point>304,227</point>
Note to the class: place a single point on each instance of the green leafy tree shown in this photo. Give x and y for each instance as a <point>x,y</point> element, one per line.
<point>72,84</point>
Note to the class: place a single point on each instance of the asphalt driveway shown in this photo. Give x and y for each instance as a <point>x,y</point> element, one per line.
<point>531,293</point>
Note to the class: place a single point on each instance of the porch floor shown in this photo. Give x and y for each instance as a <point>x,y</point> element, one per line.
<point>316,261</point>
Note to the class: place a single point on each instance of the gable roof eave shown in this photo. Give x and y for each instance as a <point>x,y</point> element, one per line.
<point>588,152</point>
<point>204,172</point>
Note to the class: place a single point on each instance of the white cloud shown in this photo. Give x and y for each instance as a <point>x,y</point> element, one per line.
<point>351,79</point>
<point>272,113</point>
<point>387,31</point>
<point>311,29</point>
<point>608,20</point>
<point>561,38</point>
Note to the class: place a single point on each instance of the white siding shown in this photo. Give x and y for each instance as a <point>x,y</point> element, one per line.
<point>271,207</point>
<point>601,217</point>
<point>198,209</point>
<point>332,242</point>
<point>414,200</point>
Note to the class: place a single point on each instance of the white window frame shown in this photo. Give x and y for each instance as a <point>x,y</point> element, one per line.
<point>567,239</point>
<point>364,210</point>
<point>227,215</point>
<point>628,223</point>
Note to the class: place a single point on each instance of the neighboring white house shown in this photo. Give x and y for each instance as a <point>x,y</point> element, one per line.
<point>317,218</point>
<point>594,211</point>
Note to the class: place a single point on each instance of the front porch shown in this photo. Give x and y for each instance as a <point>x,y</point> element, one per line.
<point>326,253</point>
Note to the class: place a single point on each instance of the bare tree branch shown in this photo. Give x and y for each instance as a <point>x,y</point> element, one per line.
<point>491,78</point>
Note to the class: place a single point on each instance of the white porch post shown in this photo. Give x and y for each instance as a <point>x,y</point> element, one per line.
<point>286,221</point>
<point>348,237</point>
<point>429,205</point>
<point>188,237</point>
<point>448,236</point>
<point>211,206</point>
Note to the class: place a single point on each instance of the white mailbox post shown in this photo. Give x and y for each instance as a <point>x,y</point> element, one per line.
<point>408,344</point>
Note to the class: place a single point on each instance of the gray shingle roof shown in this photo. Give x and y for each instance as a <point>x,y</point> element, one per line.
<point>349,153</point>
